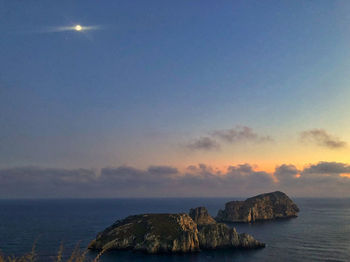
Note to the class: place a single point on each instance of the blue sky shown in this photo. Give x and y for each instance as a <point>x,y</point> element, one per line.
<point>157,75</point>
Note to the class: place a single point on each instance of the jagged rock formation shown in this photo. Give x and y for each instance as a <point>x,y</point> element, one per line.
<point>201,216</point>
<point>152,233</point>
<point>219,235</point>
<point>171,233</point>
<point>214,235</point>
<point>262,207</point>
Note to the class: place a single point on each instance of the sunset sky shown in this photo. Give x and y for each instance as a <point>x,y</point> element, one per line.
<point>248,96</point>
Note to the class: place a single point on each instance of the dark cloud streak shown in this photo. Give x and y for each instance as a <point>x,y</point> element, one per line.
<point>321,138</point>
<point>328,168</point>
<point>203,143</point>
<point>240,134</point>
<point>227,136</point>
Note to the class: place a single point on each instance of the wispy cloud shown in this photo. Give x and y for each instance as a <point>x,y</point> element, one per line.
<point>322,138</point>
<point>240,134</point>
<point>215,139</point>
<point>203,143</point>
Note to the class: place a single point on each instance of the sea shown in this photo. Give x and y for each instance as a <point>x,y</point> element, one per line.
<point>321,232</point>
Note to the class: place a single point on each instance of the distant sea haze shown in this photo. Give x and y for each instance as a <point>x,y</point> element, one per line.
<point>320,232</point>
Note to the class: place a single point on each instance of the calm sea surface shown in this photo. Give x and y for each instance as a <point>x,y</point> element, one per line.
<point>320,233</point>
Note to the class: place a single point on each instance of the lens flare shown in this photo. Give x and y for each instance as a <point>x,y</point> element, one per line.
<point>78,28</point>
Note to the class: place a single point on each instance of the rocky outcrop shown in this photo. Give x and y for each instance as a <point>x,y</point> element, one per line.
<point>152,233</point>
<point>214,235</point>
<point>262,207</point>
<point>219,235</point>
<point>171,233</point>
<point>201,216</point>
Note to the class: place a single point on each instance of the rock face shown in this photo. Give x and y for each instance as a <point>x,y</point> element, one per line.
<point>201,216</point>
<point>214,236</point>
<point>171,233</point>
<point>262,207</point>
<point>152,233</point>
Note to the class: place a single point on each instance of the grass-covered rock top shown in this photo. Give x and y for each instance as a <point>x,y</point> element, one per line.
<point>268,206</point>
<point>171,233</point>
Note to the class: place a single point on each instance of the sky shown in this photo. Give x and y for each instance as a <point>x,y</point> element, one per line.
<point>174,98</point>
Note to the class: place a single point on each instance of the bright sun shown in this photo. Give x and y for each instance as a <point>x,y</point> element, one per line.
<point>78,27</point>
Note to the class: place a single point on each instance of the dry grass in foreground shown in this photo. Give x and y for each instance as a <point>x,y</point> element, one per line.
<point>76,256</point>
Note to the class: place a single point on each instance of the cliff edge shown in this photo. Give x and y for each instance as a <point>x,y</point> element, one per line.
<point>267,206</point>
<point>171,233</point>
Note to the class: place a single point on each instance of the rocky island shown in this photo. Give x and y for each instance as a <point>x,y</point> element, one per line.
<point>267,206</point>
<point>171,233</point>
